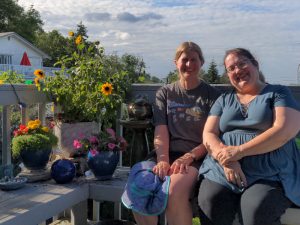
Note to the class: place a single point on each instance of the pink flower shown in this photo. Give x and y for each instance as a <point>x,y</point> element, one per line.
<point>93,140</point>
<point>111,146</point>
<point>93,152</point>
<point>81,135</point>
<point>77,144</point>
<point>111,132</point>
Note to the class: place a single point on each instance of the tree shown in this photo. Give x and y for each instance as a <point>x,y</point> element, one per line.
<point>212,74</point>
<point>172,77</point>
<point>54,44</point>
<point>13,18</point>
<point>82,30</point>
<point>224,79</point>
<point>135,67</point>
<point>155,79</point>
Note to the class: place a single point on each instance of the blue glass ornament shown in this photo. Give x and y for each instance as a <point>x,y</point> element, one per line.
<point>63,171</point>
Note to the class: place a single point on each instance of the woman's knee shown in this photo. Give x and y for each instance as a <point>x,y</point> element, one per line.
<point>182,186</point>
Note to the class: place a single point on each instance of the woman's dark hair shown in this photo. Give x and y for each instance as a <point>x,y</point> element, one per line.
<point>245,53</point>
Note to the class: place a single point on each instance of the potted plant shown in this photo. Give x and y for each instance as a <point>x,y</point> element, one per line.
<point>102,151</point>
<point>84,91</point>
<point>33,144</point>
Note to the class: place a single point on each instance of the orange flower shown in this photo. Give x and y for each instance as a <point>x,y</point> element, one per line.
<point>78,40</point>
<point>106,89</point>
<point>71,33</point>
<point>39,73</point>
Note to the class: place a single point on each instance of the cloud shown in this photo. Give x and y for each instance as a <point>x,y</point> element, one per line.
<point>152,29</point>
<point>117,34</point>
<point>94,17</point>
<point>131,18</point>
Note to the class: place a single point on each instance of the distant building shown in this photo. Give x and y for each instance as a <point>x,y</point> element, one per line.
<point>19,55</point>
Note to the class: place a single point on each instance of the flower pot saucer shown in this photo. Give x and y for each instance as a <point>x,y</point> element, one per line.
<point>9,184</point>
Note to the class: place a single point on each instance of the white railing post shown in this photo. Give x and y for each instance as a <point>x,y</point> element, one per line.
<point>24,115</point>
<point>42,112</point>
<point>6,136</point>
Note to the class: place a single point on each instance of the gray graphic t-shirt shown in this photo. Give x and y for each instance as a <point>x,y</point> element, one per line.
<point>184,112</point>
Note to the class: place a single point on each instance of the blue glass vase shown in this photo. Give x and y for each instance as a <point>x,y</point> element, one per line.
<point>104,164</point>
<point>63,171</point>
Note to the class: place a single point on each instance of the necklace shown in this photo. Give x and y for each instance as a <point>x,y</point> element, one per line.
<point>244,109</point>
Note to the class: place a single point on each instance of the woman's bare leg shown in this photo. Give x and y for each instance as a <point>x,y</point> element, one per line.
<point>179,209</point>
<point>145,220</point>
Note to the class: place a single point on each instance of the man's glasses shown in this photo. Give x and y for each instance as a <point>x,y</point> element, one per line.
<point>240,65</point>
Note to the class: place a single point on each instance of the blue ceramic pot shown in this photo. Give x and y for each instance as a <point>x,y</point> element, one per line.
<point>103,164</point>
<point>63,171</point>
<point>35,159</point>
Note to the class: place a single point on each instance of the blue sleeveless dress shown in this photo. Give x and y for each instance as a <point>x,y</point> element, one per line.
<point>282,164</point>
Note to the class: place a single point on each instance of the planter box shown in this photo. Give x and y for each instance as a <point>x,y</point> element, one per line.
<point>67,132</point>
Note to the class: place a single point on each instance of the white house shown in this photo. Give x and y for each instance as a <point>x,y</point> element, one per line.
<point>12,49</point>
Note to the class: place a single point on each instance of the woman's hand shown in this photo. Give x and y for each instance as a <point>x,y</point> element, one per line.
<point>234,174</point>
<point>228,154</point>
<point>181,165</point>
<point>161,169</point>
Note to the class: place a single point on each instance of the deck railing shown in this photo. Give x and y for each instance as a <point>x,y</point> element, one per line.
<point>28,95</point>
<point>24,95</point>
<point>27,70</point>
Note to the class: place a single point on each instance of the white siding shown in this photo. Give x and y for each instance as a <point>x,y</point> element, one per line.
<point>12,46</point>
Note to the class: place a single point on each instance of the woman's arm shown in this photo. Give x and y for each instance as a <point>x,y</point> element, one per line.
<point>161,145</point>
<point>286,125</point>
<point>211,138</point>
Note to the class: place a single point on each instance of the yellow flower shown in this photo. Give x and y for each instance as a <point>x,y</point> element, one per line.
<point>78,40</point>
<point>33,126</point>
<point>38,122</point>
<point>2,82</point>
<point>45,129</point>
<point>39,74</point>
<point>71,33</point>
<point>106,89</point>
<point>31,122</point>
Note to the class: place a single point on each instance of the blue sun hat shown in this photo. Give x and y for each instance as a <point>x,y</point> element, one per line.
<point>145,193</point>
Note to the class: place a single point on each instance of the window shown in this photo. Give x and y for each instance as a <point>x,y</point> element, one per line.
<point>5,59</point>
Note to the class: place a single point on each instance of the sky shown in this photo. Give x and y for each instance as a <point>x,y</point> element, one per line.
<point>153,29</point>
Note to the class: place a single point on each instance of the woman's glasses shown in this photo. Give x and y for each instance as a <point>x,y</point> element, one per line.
<point>241,65</point>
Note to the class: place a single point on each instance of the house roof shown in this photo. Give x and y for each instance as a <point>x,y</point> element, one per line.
<point>25,42</point>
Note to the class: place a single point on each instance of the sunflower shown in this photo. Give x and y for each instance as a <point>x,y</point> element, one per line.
<point>39,74</point>
<point>71,34</point>
<point>37,83</point>
<point>106,89</point>
<point>78,40</point>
